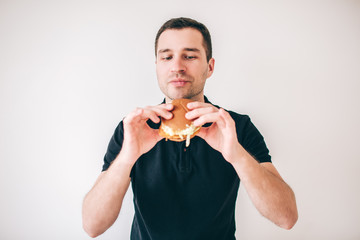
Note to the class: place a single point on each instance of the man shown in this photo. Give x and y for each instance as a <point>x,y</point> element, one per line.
<point>186,192</point>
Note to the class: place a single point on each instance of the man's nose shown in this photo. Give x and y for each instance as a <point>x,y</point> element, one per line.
<point>178,65</point>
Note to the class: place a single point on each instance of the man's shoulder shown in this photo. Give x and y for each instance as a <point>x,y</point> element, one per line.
<point>238,117</point>
<point>232,113</point>
<point>235,115</point>
<point>242,121</point>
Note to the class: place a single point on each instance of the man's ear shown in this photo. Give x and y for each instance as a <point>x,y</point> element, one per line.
<point>211,66</point>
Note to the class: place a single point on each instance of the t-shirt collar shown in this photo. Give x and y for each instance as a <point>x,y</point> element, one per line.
<point>205,98</point>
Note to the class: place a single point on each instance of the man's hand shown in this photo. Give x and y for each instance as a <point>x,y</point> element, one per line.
<point>102,204</point>
<point>139,138</point>
<point>270,194</point>
<point>221,135</point>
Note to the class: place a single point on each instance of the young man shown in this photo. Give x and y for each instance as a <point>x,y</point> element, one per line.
<point>186,192</point>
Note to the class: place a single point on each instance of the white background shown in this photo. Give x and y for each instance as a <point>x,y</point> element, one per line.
<point>71,70</point>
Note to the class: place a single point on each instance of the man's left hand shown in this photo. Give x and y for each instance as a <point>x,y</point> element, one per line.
<point>221,135</point>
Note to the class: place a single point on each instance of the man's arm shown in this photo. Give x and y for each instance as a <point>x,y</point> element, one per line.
<point>101,206</point>
<point>273,198</point>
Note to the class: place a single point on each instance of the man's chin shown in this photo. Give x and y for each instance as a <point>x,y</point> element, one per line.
<point>186,95</point>
<point>178,95</point>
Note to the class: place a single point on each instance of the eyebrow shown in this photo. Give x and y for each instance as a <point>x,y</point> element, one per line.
<point>185,49</point>
<point>164,50</point>
<point>192,49</point>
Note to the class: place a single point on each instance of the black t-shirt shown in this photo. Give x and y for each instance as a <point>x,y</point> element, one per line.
<point>190,192</point>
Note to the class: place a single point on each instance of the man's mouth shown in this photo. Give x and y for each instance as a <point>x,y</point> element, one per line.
<point>179,82</point>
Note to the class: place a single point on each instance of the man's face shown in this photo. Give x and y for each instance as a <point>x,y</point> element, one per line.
<point>181,65</point>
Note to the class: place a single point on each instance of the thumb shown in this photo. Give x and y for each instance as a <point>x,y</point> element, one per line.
<point>156,135</point>
<point>202,133</point>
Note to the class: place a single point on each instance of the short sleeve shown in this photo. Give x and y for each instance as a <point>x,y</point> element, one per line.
<point>114,146</point>
<point>251,139</point>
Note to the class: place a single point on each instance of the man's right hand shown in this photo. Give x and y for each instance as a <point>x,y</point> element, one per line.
<point>139,137</point>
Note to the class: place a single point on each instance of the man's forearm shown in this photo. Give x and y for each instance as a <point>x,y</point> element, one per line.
<point>273,198</point>
<point>102,204</point>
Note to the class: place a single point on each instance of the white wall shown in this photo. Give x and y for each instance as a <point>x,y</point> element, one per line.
<point>70,70</point>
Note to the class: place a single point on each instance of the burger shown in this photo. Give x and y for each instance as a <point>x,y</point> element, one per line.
<point>178,128</point>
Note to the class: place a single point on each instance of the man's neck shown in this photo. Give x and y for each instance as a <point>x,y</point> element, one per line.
<point>199,98</point>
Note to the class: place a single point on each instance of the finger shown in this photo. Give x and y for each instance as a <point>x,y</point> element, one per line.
<point>197,112</point>
<point>210,118</point>
<point>167,106</point>
<point>133,115</point>
<point>226,115</point>
<point>228,120</point>
<point>156,135</point>
<point>162,110</point>
<point>193,105</point>
<point>150,114</point>
<point>141,114</point>
<point>202,133</point>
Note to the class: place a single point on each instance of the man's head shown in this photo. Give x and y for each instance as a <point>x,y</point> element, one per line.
<point>183,59</point>
<point>181,23</point>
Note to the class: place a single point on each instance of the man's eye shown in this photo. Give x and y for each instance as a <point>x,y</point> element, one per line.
<point>167,58</point>
<point>190,57</point>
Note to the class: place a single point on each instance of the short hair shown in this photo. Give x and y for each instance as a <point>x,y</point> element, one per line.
<point>180,23</point>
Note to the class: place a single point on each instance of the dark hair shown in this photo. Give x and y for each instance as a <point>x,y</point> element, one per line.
<point>180,23</point>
